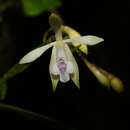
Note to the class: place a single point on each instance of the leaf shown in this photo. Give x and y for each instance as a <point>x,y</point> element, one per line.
<point>36,7</point>
<point>49,121</point>
<point>3,89</point>
<point>5,5</point>
<point>16,69</point>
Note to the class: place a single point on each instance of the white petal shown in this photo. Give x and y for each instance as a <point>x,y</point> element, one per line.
<point>53,66</point>
<point>68,40</point>
<point>60,52</point>
<point>34,54</point>
<point>53,69</point>
<point>75,41</point>
<point>70,58</point>
<point>88,40</point>
<point>70,68</point>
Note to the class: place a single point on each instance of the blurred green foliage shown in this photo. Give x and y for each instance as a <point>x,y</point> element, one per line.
<point>36,7</point>
<point>16,69</point>
<point>32,116</point>
<point>3,88</point>
<point>30,8</point>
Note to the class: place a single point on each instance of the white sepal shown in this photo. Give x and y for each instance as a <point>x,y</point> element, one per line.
<point>71,59</point>
<point>34,54</point>
<point>88,40</point>
<point>54,72</point>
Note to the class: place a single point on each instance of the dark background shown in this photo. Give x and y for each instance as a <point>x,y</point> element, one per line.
<point>93,107</point>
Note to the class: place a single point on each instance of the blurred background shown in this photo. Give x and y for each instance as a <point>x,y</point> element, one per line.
<point>94,107</point>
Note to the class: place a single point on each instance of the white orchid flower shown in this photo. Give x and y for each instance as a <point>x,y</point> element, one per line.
<point>62,64</point>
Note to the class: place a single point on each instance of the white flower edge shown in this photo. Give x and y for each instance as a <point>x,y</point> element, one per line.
<point>88,40</point>
<point>51,69</point>
<point>34,54</point>
<point>71,59</point>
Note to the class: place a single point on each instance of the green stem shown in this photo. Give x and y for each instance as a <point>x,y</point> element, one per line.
<point>35,116</point>
<point>16,69</point>
<point>45,36</point>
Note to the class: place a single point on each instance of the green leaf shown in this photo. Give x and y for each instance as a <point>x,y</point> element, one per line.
<point>16,69</point>
<point>3,89</point>
<point>53,123</point>
<point>36,7</point>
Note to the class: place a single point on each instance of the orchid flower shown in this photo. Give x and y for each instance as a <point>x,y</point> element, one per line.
<point>63,65</point>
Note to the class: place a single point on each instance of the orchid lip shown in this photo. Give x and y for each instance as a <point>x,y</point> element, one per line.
<point>61,65</point>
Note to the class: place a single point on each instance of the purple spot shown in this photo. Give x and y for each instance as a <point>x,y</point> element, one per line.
<point>62,65</point>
